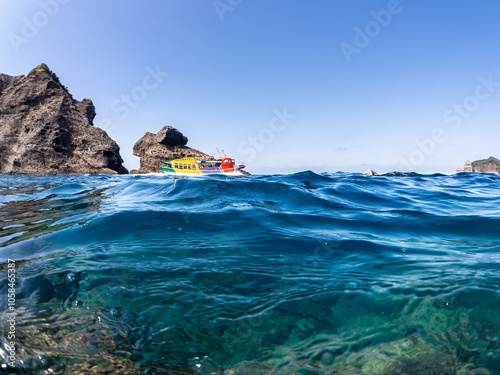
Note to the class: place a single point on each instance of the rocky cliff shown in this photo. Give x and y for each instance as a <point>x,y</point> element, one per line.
<point>490,165</point>
<point>167,144</point>
<point>43,130</point>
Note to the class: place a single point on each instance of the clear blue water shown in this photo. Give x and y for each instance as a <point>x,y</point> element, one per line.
<point>287,274</point>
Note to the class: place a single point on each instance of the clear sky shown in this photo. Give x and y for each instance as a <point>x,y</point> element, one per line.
<point>283,85</point>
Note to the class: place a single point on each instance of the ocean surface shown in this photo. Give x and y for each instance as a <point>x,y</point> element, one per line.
<point>278,274</point>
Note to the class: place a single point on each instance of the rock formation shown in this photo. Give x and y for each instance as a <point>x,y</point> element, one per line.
<point>490,165</point>
<point>371,172</point>
<point>43,130</point>
<point>167,144</point>
<point>467,167</point>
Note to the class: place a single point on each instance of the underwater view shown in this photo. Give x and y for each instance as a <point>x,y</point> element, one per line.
<point>265,274</point>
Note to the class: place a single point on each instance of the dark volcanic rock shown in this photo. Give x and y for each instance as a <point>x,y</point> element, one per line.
<point>167,144</point>
<point>43,130</point>
<point>170,136</point>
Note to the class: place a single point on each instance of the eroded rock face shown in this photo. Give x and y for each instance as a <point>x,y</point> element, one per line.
<point>490,165</point>
<point>43,130</point>
<point>167,144</point>
<point>170,136</point>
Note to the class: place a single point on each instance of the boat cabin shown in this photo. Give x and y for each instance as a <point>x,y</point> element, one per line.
<point>192,166</point>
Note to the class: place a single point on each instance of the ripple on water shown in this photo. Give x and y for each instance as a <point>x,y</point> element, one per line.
<point>303,273</point>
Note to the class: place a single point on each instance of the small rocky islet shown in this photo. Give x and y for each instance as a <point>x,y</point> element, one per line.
<point>45,131</point>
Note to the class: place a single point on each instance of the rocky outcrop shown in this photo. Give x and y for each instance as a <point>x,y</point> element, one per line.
<point>467,167</point>
<point>490,165</point>
<point>167,144</point>
<point>43,130</point>
<point>371,172</point>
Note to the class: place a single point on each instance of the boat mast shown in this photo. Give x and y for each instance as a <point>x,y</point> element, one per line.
<point>222,155</point>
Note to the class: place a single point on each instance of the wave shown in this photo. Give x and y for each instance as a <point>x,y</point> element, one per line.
<point>305,272</point>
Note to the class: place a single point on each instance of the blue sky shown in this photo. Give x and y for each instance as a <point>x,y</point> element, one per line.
<point>283,85</point>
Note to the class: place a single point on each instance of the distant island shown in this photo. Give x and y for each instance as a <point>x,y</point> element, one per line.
<point>45,131</point>
<point>490,165</point>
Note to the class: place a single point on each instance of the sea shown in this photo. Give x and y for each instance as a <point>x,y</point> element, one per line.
<point>305,273</point>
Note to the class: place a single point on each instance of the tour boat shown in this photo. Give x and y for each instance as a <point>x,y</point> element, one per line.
<point>192,167</point>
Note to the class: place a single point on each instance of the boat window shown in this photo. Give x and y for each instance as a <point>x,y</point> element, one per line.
<point>176,166</point>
